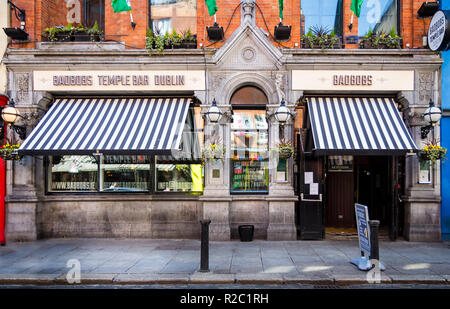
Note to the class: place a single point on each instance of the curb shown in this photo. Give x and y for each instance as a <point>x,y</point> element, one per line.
<point>212,278</point>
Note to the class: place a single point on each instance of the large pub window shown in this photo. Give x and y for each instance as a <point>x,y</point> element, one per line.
<point>323,15</point>
<point>94,11</point>
<point>249,142</point>
<point>169,15</point>
<point>380,16</point>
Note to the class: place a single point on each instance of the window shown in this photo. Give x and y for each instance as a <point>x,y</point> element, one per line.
<point>124,173</point>
<point>381,16</point>
<point>72,173</point>
<point>169,15</point>
<point>323,14</point>
<point>180,172</point>
<point>94,11</point>
<point>249,151</point>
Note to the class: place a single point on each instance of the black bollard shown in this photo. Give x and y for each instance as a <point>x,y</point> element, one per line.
<point>374,248</point>
<point>204,251</point>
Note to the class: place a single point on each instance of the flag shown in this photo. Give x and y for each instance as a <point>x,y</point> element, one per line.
<point>356,7</point>
<point>120,5</point>
<point>280,5</point>
<point>212,7</point>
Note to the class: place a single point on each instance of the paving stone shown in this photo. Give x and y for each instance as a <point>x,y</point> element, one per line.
<point>44,279</point>
<point>258,278</point>
<point>212,277</point>
<point>417,279</point>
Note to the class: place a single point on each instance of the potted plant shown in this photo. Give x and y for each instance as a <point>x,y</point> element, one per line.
<point>321,37</point>
<point>189,40</point>
<point>9,152</point>
<point>379,40</point>
<point>213,152</point>
<point>432,152</point>
<point>285,149</point>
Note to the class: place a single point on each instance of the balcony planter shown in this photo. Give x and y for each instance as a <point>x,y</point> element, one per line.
<point>215,33</point>
<point>374,40</point>
<point>322,44</point>
<point>282,32</point>
<point>73,33</point>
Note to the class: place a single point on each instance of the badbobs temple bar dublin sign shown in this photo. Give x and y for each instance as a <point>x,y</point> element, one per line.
<point>118,80</point>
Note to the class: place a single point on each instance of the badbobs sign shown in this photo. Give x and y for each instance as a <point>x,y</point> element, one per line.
<point>439,31</point>
<point>118,80</point>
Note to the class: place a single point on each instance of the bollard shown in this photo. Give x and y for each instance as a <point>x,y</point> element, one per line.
<point>204,251</point>
<point>374,248</point>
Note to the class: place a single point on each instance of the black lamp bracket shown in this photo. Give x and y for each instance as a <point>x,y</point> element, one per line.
<point>20,13</point>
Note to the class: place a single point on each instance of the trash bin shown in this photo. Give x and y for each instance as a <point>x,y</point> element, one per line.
<point>246,232</point>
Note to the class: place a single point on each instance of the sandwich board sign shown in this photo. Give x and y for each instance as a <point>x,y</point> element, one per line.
<point>362,225</point>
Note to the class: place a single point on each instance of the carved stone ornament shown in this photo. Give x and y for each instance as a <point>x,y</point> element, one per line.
<point>425,86</point>
<point>22,81</point>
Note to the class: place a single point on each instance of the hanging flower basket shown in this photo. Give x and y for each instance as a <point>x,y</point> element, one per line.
<point>9,152</point>
<point>432,152</point>
<point>285,150</point>
<point>213,152</point>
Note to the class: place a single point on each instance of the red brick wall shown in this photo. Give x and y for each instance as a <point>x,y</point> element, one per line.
<point>118,25</point>
<point>47,13</point>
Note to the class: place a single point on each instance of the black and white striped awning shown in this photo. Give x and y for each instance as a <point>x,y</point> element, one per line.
<point>123,126</point>
<point>345,125</point>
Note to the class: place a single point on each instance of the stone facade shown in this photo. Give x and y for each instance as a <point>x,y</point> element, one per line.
<point>248,57</point>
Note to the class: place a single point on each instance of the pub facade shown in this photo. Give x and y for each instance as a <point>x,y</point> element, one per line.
<point>118,142</point>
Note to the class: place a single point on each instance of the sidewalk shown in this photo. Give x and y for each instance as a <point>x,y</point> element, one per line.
<point>140,261</point>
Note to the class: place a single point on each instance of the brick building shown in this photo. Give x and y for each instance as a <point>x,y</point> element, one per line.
<point>116,127</point>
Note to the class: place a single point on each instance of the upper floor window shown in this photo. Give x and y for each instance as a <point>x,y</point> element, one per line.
<point>170,15</point>
<point>94,11</point>
<point>381,16</point>
<point>325,15</point>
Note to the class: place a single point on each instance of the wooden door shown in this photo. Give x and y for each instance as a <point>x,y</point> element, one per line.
<point>311,191</point>
<point>340,211</point>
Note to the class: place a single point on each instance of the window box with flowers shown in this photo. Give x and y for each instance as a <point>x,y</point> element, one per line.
<point>321,37</point>
<point>174,40</point>
<point>73,33</point>
<point>9,152</point>
<point>432,152</point>
<point>374,40</point>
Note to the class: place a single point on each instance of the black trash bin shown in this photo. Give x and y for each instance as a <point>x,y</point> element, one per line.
<point>246,232</point>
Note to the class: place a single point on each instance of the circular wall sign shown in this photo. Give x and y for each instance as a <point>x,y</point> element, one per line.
<point>439,31</point>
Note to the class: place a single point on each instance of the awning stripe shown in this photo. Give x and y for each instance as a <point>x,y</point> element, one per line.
<point>358,124</point>
<point>111,126</point>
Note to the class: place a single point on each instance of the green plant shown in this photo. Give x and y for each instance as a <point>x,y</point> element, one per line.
<point>9,152</point>
<point>320,36</point>
<point>381,40</point>
<point>285,149</point>
<point>158,42</point>
<point>69,30</point>
<point>432,152</point>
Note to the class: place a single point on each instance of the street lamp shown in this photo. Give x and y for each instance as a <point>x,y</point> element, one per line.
<point>431,115</point>
<point>282,114</point>
<point>10,114</point>
<point>214,113</point>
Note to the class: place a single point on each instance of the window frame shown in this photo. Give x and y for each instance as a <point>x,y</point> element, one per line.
<point>100,23</point>
<point>247,107</point>
<point>341,20</point>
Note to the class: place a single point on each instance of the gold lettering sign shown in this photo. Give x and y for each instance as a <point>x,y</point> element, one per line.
<point>118,81</point>
<point>352,80</point>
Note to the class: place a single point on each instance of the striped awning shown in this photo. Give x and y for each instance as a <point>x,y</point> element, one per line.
<point>123,126</point>
<point>346,125</point>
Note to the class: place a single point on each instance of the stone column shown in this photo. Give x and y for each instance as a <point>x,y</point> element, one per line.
<point>216,196</point>
<point>281,192</point>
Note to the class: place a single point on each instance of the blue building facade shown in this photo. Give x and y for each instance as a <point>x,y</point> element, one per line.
<point>445,137</point>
